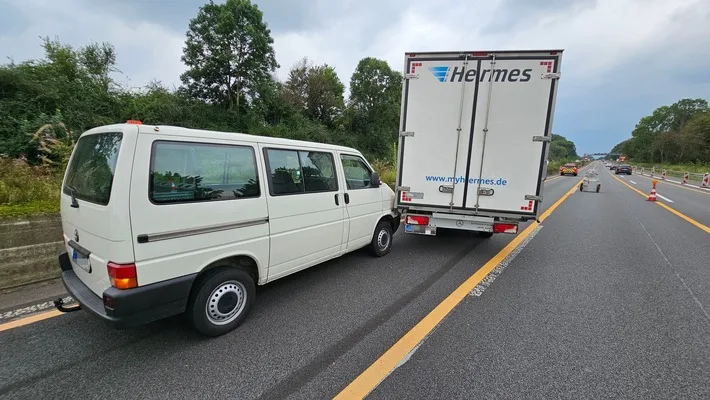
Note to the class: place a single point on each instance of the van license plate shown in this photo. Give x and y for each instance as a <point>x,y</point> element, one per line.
<point>81,261</point>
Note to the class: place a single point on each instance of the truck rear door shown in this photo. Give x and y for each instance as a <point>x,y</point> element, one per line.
<point>503,104</point>
<point>436,130</point>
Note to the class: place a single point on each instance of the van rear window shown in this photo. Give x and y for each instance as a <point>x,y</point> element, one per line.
<point>90,172</point>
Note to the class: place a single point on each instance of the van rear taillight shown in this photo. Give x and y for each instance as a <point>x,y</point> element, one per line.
<point>417,220</point>
<point>123,276</point>
<point>505,228</point>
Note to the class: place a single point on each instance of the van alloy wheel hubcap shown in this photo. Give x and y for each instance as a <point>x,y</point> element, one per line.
<point>226,302</point>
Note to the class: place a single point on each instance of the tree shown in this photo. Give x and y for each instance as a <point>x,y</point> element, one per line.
<point>229,53</point>
<point>374,105</point>
<point>71,86</point>
<point>316,91</point>
<point>373,85</point>
<point>562,149</point>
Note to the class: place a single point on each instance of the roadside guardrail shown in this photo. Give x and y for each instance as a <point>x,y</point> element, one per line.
<point>692,178</point>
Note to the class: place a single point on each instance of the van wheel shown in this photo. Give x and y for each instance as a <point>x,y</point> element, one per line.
<point>382,239</point>
<point>222,301</point>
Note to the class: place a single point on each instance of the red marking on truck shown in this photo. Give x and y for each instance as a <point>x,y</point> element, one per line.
<point>547,64</point>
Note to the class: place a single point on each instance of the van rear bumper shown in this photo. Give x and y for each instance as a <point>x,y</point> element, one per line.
<point>131,307</point>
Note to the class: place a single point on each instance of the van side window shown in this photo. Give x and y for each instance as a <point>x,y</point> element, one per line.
<point>184,172</point>
<point>357,173</point>
<point>299,171</point>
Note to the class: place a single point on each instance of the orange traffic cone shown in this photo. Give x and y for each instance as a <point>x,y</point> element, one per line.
<point>652,196</point>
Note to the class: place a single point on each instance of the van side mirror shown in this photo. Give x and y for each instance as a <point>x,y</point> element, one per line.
<point>375,179</point>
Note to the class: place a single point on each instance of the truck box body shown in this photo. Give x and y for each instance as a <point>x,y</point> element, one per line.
<point>475,131</point>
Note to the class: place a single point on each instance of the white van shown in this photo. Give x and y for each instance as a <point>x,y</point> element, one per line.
<point>161,220</point>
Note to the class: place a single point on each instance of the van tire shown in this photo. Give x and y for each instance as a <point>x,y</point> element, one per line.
<point>229,288</point>
<point>381,243</point>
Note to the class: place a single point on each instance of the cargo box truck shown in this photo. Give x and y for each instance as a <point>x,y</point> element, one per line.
<point>475,129</point>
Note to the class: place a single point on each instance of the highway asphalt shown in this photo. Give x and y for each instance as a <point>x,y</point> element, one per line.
<point>605,299</point>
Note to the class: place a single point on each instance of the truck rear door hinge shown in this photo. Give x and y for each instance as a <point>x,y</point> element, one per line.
<point>533,197</point>
<point>542,139</point>
<point>411,76</point>
<point>406,134</point>
<point>551,75</point>
<point>402,188</point>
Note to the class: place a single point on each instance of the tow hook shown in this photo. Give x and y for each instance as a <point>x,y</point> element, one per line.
<point>59,305</point>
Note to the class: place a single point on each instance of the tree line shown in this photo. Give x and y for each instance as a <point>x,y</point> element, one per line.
<point>674,134</point>
<point>229,85</point>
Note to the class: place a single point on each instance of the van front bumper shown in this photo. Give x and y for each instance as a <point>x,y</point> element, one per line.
<point>130,307</point>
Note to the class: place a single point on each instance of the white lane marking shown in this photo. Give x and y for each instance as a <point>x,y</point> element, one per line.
<point>689,185</point>
<point>671,180</point>
<point>664,198</point>
<point>690,291</point>
<point>32,309</point>
<point>481,287</point>
<point>633,182</point>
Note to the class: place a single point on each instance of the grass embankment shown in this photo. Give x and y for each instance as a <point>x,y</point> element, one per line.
<point>692,168</point>
<point>26,190</point>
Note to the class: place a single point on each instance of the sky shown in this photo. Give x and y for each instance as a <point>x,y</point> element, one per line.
<point>622,58</point>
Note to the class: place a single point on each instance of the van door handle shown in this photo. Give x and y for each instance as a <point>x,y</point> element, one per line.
<point>337,203</point>
<point>347,198</point>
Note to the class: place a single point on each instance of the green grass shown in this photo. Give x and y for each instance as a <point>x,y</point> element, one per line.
<point>386,171</point>
<point>27,190</point>
<point>31,209</point>
<point>693,168</point>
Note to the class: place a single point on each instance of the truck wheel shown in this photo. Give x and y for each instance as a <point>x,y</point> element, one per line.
<point>381,243</point>
<point>581,185</point>
<point>599,187</point>
<point>221,301</point>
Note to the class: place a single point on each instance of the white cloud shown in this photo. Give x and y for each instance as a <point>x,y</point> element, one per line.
<point>596,38</point>
<point>145,50</point>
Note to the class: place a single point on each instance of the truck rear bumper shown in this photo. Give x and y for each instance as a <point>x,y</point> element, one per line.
<point>423,224</point>
<point>131,307</point>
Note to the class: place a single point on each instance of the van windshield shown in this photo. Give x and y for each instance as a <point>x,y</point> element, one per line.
<point>90,172</point>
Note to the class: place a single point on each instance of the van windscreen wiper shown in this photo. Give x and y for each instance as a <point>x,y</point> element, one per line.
<point>72,191</point>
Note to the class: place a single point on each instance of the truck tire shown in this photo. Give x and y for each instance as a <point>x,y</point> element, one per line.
<point>381,243</point>
<point>221,301</point>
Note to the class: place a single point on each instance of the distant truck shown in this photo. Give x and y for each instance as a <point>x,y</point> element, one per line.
<point>474,136</point>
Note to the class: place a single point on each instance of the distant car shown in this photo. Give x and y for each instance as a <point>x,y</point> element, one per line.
<point>613,167</point>
<point>569,169</point>
<point>623,169</point>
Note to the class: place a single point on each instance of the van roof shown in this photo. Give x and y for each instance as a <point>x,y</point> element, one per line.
<point>209,134</point>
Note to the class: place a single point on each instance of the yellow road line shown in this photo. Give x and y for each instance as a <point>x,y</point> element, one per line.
<point>29,319</point>
<point>706,192</point>
<point>671,209</point>
<point>553,178</point>
<point>378,371</point>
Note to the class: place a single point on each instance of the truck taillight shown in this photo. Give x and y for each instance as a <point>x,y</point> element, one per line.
<point>122,276</point>
<point>505,228</point>
<point>417,220</point>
